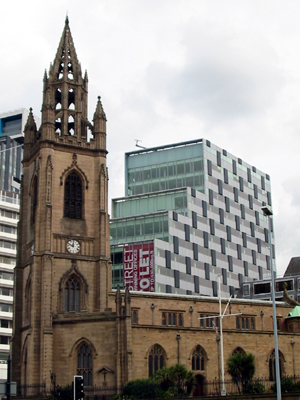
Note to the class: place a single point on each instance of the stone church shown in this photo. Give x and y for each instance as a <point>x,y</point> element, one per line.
<point>67,319</point>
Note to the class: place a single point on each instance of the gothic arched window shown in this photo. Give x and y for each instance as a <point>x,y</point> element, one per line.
<point>272,374</point>
<point>73,196</point>
<point>72,295</point>
<point>34,199</point>
<point>198,359</point>
<point>85,364</point>
<point>238,350</point>
<point>156,359</point>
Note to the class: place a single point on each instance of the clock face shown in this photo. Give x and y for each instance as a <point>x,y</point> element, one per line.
<point>73,246</point>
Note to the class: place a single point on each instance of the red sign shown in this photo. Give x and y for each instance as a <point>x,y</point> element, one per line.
<point>138,267</point>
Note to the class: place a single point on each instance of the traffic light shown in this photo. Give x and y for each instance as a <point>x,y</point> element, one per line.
<point>78,387</point>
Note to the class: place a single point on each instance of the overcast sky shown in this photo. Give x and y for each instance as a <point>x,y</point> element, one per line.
<point>175,70</point>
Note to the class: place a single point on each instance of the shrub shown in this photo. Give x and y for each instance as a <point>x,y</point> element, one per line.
<point>142,389</point>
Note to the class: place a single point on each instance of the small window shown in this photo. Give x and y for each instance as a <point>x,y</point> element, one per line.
<point>221,213</point>
<point>204,208</point>
<point>212,226</point>
<point>209,167</point>
<point>218,159</point>
<point>168,259</point>
<point>187,232</point>
<point>176,244</point>
<point>188,265</point>
<point>220,187</point>
<point>207,271</point>
<point>211,197</point>
<point>195,251</point>
<point>194,219</point>
<point>230,263</point>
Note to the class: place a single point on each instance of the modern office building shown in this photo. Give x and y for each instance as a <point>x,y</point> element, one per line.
<point>191,213</point>
<point>12,125</point>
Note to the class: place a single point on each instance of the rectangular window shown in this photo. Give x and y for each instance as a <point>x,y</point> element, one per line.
<point>176,279</point>
<point>234,169</point>
<point>175,216</point>
<point>246,272</point>
<point>269,198</point>
<point>193,192</point>
<point>195,251</point>
<point>228,231</point>
<point>196,283</point>
<point>257,218</point>
<point>213,258</point>
<point>255,191</point>
<point>220,186</point>
<point>211,197</point>
<point>263,184</point>
<point>194,219</point>
<point>188,265</point>
<point>239,251</point>
<point>207,271</point>
<point>204,208</point>
<point>243,214</point>
<point>224,276</point>
<point>240,279</point>
<point>212,226</point>
<point>223,247</point>
<point>252,229</point>
<point>258,241</point>
<point>218,158</point>
<point>241,180</point>
<point>260,273</point>
<point>244,236</point>
<point>168,289</point>
<point>249,177</point>
<point>268,262</point>
<point>230,263</point>
<point>254,257</point>
<point>266,231</point>
<point>246,290</point>
<point>187,232</point>
<point>205,239</point>
<point>226,176</point>
<point>236,194</point>
<point>227,204</point>
<point>176,244</point>
<point>237,223</point>
<point>209,167</point>
<point>221,213</point>
<point>215,288</point>
<point>168,259</point>
<point>250,198</point>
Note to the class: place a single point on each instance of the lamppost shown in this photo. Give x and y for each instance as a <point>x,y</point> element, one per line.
<point>268,213</point>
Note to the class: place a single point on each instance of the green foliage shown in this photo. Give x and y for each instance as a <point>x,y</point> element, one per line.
<point>287,385</point>
<point>241,368</point>
<point>167,382</point>
<point>255,387</point>
<point>142,389</point>
<point>175,380</point>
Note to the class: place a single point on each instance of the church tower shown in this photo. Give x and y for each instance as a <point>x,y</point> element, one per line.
<point>63,271</point>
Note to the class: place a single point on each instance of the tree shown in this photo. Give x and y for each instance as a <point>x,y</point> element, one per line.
<point>241,367</point>
<point>175,380</point>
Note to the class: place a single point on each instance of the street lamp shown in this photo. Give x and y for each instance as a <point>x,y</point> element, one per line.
<point>268,213</point>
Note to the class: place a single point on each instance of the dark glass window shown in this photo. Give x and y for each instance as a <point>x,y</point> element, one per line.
<point>260,272</point>
<point>187,232</point>
<point>234,169</point>
<point>73,196</point>
<point>226,176</point>
<point>175,216</point>
<point>249,175</point>
<point>244,236</point>
<point>215,288</point>
<point>246,273</point>
<point>221,213</point>
<point>193,192</point>
<point>176,279</point>
<point>263,184</point>
<point>241,180</point>
<point>269,198</point>
<point>239,251</point>
<point>257,218</point>
<point>227,204</point>
<point>224,276</point>
<point>176,244</point>
<point>228,231</point>
<point>258,241</point>
<point>236,194</point>
<point>211,197</point>
<point>156,359</point>
<point>198,359</point>
<point>252,229</point>
<point>85,364</point>
<point>218,158</point>
<point>196,283</point>
<point>209,167</point>
<point>223,247</point>
<point>254,257</point>
<point>250,198</point>
<point>205,239</point>
<point>213,258</point>
<point>243,214</point>
<point>72,295</point>
<point>230,263</point>
<point>204,208</point>
<point>237,223</point>
<point>168,259</point>
<point>220,186</point>
<point>207,271</point>
<point>255,191</point>
<point>188,265</point>
<point>212,226</point>
<point>194,219</point>
<point>195,251</point>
